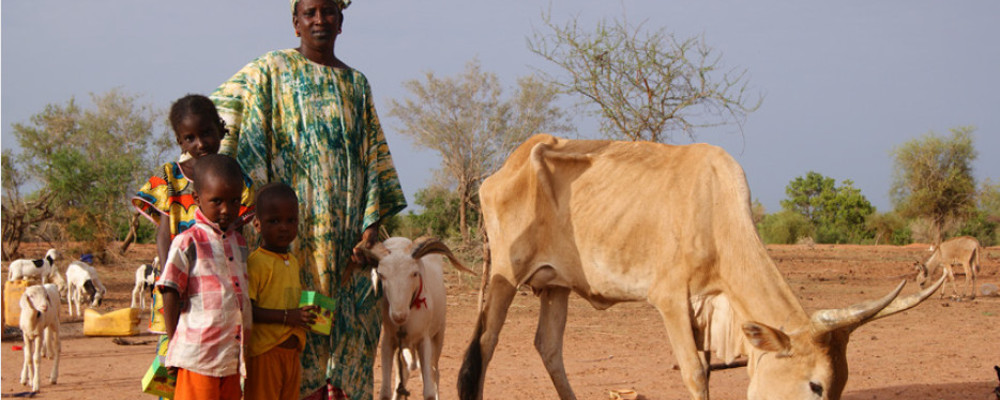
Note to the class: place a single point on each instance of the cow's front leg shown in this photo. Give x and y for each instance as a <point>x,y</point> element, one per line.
<point>549,337</point>
<point>675,308</point>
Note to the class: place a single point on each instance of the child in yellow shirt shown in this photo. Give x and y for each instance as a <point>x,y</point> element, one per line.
<point>274,370</point>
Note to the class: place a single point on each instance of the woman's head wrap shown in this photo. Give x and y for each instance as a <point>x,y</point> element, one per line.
<point>340,3</point>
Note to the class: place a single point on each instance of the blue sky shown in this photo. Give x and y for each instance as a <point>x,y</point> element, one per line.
<point>845,82</point>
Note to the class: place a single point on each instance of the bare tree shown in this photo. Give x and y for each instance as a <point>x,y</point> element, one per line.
<point>645,83</point>
<point>20,213</point>
<point>466,119</point>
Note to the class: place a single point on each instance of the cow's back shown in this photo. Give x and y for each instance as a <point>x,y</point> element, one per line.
<point>579,204</point>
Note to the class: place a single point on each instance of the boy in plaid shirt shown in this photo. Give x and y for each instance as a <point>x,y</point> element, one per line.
<point>206,271</point>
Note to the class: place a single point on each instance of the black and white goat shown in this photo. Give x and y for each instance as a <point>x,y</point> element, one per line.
<point>145,278</point>
<point>82,280</point>
<point>40,329</point>
<point>26,268</point>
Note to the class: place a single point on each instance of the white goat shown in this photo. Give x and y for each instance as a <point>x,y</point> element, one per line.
<point>413,310</point>
<point>145,278</point>
<point>40,328</point>
<point>25,268</point>
<point>82,279</point>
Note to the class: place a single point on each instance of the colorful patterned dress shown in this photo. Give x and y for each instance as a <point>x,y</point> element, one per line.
<point>314,127</point>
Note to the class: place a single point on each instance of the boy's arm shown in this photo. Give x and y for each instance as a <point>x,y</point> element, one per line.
<point>171,309</point>
<point>301,317</point>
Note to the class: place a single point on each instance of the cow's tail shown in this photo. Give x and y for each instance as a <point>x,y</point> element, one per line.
<point>471,373</point>
<point>979,259</point>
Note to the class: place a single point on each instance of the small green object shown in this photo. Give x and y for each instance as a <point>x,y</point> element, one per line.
<point>324,318</point>
<point>158,381</point>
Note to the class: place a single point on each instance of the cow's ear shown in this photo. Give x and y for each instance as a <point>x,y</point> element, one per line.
<point>767,338</point>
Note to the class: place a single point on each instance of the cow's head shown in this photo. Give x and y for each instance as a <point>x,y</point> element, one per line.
<point>811,363</point>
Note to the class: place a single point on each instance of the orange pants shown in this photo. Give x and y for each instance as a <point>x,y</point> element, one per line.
<point>195,386</point>
<point>274,375</point>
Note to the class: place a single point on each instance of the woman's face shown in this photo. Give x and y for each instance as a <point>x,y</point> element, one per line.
<point>317,22</point>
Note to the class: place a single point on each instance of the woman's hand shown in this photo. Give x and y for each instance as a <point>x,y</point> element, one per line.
<point>368,239</point>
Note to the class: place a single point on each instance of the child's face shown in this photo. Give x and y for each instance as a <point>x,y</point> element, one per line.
<point>220,200</point>
<point>198,136</point>
<point>278,222</point>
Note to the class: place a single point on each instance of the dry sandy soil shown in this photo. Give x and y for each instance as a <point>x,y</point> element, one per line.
<point>942,349</point>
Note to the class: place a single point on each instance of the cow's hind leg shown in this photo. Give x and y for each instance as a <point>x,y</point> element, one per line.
<point>472,375</point>
<point>549,337</point>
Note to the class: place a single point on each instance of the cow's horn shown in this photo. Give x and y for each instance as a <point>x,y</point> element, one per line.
<point>907,302</point>
<point>425,245</point>
<point>829,320</point>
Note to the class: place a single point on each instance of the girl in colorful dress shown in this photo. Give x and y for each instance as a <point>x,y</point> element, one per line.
<point>166,198</point>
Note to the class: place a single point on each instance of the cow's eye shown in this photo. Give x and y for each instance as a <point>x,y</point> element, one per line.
<point>816,388</point>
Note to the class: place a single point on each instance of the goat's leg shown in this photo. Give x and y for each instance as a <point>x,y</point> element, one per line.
<point>136,292</point>
<point>549,337</point>
<point>25,369</point>
<point>970,280</point>
<point>426,354</point>
<point>438,343</point>
<point>388,350</point>
<point>36,360</point>
<point>55,350</point>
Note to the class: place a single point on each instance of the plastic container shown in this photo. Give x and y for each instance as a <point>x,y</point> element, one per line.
<point>12,292</point>
<point>124,322</point>
<point>324,318</point>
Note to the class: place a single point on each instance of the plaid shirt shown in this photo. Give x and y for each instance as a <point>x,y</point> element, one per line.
<point>208,269</point>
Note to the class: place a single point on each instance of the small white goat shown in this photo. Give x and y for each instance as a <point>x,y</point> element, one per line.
<point>145,278</point>
<point>40,328</point>
<point>413,308</point>
<point>82,280</point>
<point>25,268</point>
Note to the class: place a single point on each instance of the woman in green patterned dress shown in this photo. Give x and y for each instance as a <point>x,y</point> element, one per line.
<point>303,117</point>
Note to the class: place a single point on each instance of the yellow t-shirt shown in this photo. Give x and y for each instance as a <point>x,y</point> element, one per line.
<point>273,285</point>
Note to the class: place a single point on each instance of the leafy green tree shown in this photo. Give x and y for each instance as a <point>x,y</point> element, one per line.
<point>888,227</point>
<point>472,127</point>
<point>91,161</point>
<point>983,222</point>
<point>837,213</point>
<point>643,83</point>
<point>933,178</point>
<point>785,227</point>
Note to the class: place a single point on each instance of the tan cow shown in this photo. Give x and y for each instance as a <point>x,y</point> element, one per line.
<point>962,250</point>
<point>623,221</point>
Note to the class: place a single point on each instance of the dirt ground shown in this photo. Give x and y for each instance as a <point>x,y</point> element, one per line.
<point>942,349</point>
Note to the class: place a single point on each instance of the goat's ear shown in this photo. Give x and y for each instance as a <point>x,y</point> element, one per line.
<point>375,281</point>
<point>425,245</point>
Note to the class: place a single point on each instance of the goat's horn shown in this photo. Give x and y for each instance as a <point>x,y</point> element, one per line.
<point>376,252</point>
<point>907,302</point>
<point>425,245</point>
<point>829,320</point>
